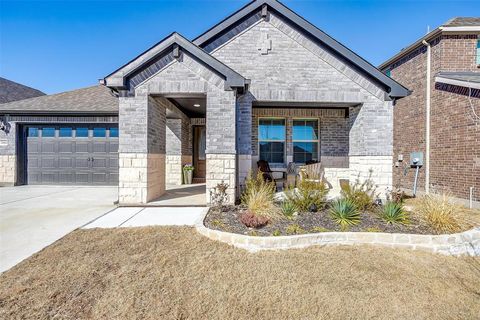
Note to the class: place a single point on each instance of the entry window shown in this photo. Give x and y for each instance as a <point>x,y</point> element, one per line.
<point>113,132</point>
<point>81,132</point>
<point>99,132</point>
<point>305,140</point>
<point>48,132</point>
<point>32,132</point>
<point>271,139</point>
<point>65,132</point>
<point>478,52</point>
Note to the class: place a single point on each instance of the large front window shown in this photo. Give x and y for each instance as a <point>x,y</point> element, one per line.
<point>305,140</point>
<point>271,138</point>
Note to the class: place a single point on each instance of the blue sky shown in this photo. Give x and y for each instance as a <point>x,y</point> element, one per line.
<point>56,46</point>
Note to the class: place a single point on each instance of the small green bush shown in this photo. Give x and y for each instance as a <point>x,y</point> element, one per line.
<point>393,212</point>
<point>307,194</point>
<point>373,229</point>
<point>295,229</point>
<point>258,196</point>
<point>276,233</point>
<point>288,209</point>
<point>319,229</point>
<point>344,213</point>
<point>362,195</point>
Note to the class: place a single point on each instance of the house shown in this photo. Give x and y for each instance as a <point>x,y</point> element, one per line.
<point>70,138</point>
<point>12,91</point>
<point>261,84</point>
<point>443,121</point>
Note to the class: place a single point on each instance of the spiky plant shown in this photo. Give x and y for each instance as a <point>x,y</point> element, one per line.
<point>259,196</point>
<point>288,209</point>
<point>344,213</point>
<point>393,212</point>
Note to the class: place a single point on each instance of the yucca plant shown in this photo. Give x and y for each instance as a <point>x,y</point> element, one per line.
<point>288,209</point>
<point>344,213</point>
<point>438,211</point>
<point>393,212</point>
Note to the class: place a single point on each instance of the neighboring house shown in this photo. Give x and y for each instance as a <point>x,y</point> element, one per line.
<point>12,91</point>
<point>452,153</point>
<point>261,84</point>
<point>65,138</point>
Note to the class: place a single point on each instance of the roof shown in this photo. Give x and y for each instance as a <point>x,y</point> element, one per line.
<point>118,78</point>
<point>463,22</point>
<point>464,79</point>
<point>395,89</point>
<point>458,24</point>
<point>12,91</point>
<point>91,100</point>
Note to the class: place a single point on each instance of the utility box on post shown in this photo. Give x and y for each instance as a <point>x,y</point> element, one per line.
<point>416,161</point>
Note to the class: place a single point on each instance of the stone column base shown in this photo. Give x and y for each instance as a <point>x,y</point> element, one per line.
<point>141,177</point>
<point>8,170</point>
<point>221,167</point>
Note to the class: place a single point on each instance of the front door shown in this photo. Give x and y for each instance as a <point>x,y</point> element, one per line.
<point>199,158</point>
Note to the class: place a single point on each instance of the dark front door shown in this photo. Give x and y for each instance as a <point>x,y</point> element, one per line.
<point>78,155</point>
<point>199,158</point>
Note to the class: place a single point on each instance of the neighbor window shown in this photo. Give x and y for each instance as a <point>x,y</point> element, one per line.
<point>81,132</point>
<point>113,132</point>
<point>65,132</point>
<point>305,140</point>
<point>99,132</point>
<point>478,52</point>
<point>271,139</point>
<point>32,132</point>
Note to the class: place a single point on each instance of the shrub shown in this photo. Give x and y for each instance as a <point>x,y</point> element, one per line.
<point>295,229</point>
<point>258,196</point>
<point>319,229</point>
<point>362,195</point>
<point>218,195</point>
<point>276,233</point>
<point>344,213</point>
<point>439,213</point>
<point>308,195</point>
<point>373,229</point>
<point>252,220</point>
<point>393,212</point>
<point>288,209</point>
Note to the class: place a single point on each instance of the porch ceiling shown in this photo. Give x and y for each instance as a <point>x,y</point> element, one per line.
<point>188,105</point>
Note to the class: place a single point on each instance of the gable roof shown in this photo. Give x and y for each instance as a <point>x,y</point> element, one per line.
<point>454,25</point>
<point>13,91</point>
<point>91,100</point>
<point>164,52</point>
<point>394,89</point>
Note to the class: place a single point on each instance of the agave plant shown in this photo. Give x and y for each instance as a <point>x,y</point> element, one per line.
<point>344,212</point>
<point>393,212</point>
<point>288,209</point>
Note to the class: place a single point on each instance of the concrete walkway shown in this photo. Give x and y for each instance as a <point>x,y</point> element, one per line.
<point>148,216</point>
<point>33,217</point>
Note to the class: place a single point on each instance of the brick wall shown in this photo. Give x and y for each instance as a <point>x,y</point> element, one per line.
<point>455,136</point>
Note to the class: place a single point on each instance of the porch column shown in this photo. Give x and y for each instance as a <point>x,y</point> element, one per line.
<point>221,145</point>
<point>244,137</point>
<point>178,151</point>
<point>141,150</point>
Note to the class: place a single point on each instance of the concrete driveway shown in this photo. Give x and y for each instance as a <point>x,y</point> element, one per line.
<point>33,217</point>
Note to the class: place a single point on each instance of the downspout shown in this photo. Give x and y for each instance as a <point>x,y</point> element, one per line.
<point>427,118</point>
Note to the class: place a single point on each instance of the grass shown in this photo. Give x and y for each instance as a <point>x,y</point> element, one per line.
<point>174,273</point>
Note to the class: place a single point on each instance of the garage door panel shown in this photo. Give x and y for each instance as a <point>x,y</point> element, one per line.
<point>65,157</point>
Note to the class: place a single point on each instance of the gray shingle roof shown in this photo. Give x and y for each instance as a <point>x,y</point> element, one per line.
<point>12,91</point>
<point>461,76</point>
<point>96,99</point>
<point>463,22</point>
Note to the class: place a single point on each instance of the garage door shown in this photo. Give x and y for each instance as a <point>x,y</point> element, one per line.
<point>79,155</point>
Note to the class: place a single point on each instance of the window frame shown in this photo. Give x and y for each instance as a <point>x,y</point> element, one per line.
<point>317,141</point>
<point>284,141</point>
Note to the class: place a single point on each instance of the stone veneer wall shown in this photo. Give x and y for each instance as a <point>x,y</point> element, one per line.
<point>8,170</point>
<point>221,168</point>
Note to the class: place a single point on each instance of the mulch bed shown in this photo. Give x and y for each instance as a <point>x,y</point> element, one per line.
<point>228,219</point>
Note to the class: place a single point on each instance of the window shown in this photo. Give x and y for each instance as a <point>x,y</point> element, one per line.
<point>271,138</point>
<point>113,132</point>
<point>65,132</point>
<point>32,132</point>
<point>305,140</point>
<point>478,52</point>
<point>48,132</point>
<point>99,132</point>
<point>388,73</point>
<point>81,132</point>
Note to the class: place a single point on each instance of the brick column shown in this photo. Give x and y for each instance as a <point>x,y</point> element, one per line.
<point>141,150</point>
<point>221,141</point>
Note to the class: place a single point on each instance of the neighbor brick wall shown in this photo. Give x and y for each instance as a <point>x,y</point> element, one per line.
<point>455,136</point>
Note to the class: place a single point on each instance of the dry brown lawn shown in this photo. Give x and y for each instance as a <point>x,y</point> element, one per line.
<point>174,273</point>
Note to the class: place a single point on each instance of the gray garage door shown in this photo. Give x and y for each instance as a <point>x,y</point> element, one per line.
<point>80,155</point>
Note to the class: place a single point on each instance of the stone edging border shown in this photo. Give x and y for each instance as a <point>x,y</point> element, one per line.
<point>465,243</point>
